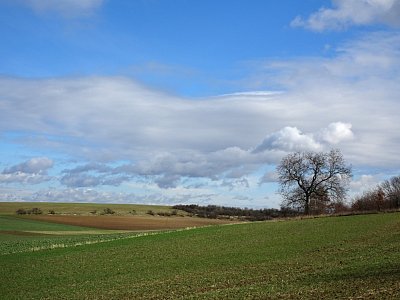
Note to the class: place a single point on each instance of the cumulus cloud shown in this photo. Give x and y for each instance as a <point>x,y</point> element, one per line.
<point>37,165</point>
<point>82,180</point>
<point>356,12</point>
<point>289,139</point>
<point>91,175</point>
<point>67,8</point>
<point>32,171</point>
<point>337,132</point>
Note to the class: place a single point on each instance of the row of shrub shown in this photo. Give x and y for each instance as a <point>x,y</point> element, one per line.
<point>33,211</point>
<point>38,211</point>
<point>163,213</point>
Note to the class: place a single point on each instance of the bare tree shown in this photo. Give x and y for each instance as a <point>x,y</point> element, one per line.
<point>391,189</point>
<point>370,200</point>
<point>317,177</point>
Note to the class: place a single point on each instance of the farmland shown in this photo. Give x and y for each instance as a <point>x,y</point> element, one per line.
<point>332,257</point>
<point>131,217</point>
<point>80,224</point>
<point>9,208</point>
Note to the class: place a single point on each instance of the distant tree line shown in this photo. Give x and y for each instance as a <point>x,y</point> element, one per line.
<point>163,213</point>
<point>384,197</point>
<point>245,214</point>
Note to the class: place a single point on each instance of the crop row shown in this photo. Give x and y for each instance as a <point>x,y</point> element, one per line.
<point>47,243</point>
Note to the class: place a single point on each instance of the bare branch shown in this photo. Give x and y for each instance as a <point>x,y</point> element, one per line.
<point>313,175</point>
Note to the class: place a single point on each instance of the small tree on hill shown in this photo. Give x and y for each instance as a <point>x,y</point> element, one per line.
<point>313,178</point>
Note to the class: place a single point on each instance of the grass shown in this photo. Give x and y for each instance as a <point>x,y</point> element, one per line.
<point>19,234</point>
<point>325,258</point>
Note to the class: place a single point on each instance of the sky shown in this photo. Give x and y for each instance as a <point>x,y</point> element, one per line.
<point>182,102</point>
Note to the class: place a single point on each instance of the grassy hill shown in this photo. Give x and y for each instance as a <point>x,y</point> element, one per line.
<point>336,257</point>
<point>9,208</point>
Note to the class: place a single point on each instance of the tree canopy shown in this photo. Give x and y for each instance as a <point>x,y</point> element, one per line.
<point>320,177</point>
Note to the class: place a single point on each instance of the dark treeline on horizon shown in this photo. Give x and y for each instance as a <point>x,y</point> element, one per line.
<point>221,212</point>
<point>383,197</point>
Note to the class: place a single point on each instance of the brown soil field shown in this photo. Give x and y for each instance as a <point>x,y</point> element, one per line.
<point>139,223</point>
<point>23,233</point>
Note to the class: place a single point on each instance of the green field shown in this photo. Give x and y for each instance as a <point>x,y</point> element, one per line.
<point>23,235</point>
<point>355,257</point>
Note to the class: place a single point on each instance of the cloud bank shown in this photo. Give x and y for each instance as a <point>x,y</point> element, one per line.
<point>119,132</point>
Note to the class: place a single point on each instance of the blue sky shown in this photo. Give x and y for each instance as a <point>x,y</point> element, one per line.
<point>160,43</point>
<point>161,101</point>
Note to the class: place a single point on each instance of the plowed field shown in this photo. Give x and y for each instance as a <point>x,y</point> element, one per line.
<point>139,223</point>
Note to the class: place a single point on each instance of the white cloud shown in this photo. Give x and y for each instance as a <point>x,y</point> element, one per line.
<point>67,8</point>
<point>355,12</point>
<point>23,178</point>
<point>337,132</point>
<point>32,171</point>
<point>81,180</point>
<point>289,139</point>
<point>37,165</point>
<point>364,183</point>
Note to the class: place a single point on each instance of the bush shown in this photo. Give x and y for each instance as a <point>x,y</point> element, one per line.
<point>52,212</point>
<point>35,211</point>
<point>164,214</point>
<point>108,211</point>
<point>21,211</point>
<point>150,212</point>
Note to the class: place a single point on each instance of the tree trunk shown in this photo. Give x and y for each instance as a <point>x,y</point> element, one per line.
<point>307,205</point>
